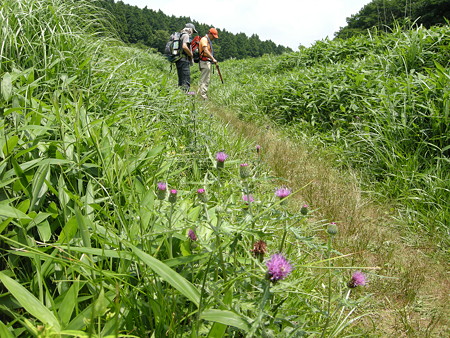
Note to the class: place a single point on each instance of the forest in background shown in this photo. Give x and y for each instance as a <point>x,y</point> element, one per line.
<point>152,28</point>
<point>382,14</point>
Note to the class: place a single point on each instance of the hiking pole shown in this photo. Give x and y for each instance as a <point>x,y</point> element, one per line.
<point>218,71</point>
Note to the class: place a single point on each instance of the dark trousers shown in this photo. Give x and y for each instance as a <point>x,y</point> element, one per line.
<point>184,74</point>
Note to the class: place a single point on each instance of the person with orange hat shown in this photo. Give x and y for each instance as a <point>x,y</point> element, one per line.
<point>206,58</point>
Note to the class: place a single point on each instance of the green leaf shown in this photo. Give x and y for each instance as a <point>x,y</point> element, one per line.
<point>7,86</point>
<point>225,317</point>
<point>4,332</point>
<point>170,276</point>
<point>29,302</point>
<point>10,144</point>
<point>69,230</point>
<point>45,232</point>
<point>8,211</point>
<point>39,188</point>
<point>79,322</point>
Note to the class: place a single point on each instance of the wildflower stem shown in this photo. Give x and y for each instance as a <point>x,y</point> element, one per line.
<point>283,239</point>
<point>330,238</point>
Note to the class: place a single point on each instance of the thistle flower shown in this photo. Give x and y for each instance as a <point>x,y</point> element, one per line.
<point>191,93</point>
<point>173,196</point>
<point>358,279</point>
<point>282,192</point>
<point>258,148</point>
<point>220,158</point>
<point>259,249</point>
<point>244,171</point>
<point>201,194</point>
<point>248,198</point>
<point>192,236</point>
<point>278,268</point>
<point>161,190</point>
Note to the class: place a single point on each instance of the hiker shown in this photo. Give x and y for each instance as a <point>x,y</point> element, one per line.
<point>185,62</point>
<point>206,58</point>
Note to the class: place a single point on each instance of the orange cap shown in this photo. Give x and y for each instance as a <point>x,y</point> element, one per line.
<point>213,31</point>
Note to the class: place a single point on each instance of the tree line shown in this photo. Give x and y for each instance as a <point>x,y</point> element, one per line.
<point>152,29</point>
<point>383,14</point>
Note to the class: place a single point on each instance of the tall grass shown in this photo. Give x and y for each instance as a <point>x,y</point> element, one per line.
<point>379,101</point>
<point>90,246</point>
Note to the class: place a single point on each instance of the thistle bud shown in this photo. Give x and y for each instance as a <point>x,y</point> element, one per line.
<point>332,229</point>
<point>161,190</point>
<point>244,171</point>
<point>173,196</point>
<point>304,210</point>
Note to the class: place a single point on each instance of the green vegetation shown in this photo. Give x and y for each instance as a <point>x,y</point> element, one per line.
<point>150,28</point>
<point>383,14</point>
<point>90,245</point>
<point>119,218</point>
<point>381,104</point>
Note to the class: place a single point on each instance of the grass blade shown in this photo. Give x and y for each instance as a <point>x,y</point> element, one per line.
<point>170,276</point>
<point>225,317</point>
<point>30,302</point>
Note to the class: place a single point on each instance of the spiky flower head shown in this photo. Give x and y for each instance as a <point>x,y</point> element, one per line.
<point>244,171</point>
<point>332,229</point>
<point>192,236</point>
<point>173,196</point>
<point>278,267</point>
<point>201,194</point>
<point>220,158</point>
<point>304,209</point>
<point>282,192</point>
<point>358,279</point>
<point>161,190</point>
<point>259,249</point>
<point>248,198</point>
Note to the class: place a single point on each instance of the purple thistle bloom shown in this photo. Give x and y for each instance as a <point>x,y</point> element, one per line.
<point>192,236</point>
<point>258,148</point>
<point>282,192</point>
<point>278,267</point>
<point>162,186</point>
<point>248,198</point>
<point>358,279</point>
<point>201,194</point>
<point>221,156</point>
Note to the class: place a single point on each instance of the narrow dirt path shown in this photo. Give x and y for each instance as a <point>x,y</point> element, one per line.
<point>410,290</point>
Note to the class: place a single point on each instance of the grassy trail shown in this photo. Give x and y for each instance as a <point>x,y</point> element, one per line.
<point>410,281</point>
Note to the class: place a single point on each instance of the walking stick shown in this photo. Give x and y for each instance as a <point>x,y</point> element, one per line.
<point>218,71</point>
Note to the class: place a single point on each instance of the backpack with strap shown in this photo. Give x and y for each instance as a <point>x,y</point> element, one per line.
<point>174,47</point>
<point>195,44</point>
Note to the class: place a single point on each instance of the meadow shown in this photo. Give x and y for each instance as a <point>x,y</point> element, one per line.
<point>128,209</point>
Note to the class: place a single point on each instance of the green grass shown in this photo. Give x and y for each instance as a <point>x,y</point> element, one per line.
<point>89,127</point>
<point>380,103</point>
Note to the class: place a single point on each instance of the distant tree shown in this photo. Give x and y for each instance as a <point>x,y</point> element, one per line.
<point>153,28</point>
<point>383,13</point>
